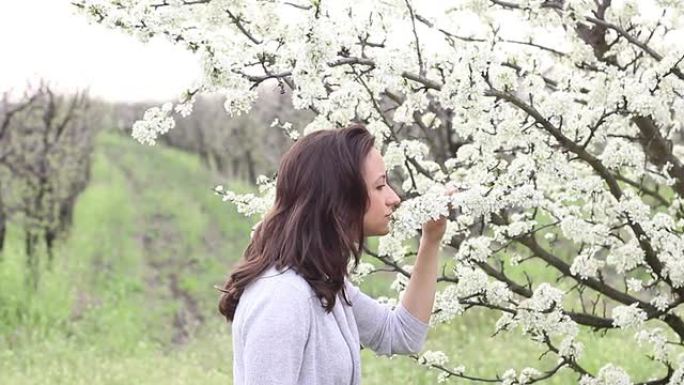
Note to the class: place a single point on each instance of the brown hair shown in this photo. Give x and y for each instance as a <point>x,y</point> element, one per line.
<point>316,224</point>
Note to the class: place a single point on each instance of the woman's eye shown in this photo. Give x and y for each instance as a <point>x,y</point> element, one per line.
<point>380,187</point>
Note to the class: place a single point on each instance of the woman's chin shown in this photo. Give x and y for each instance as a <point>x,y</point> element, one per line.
<point>376,232</point>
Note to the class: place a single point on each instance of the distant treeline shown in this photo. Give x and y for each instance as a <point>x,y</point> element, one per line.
<point>238,147</point>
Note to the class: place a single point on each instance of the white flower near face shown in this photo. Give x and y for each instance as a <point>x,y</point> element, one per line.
<point>248,204</point>
<point>412,213</point>
<point>380,132</point>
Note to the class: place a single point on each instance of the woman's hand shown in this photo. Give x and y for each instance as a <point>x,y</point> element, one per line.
<point>433,230</point>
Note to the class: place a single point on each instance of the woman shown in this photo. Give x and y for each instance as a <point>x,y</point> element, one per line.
<point>296,319</point>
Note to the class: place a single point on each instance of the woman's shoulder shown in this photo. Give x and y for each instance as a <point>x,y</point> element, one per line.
<point>279,283</point>
<point>274,299</point>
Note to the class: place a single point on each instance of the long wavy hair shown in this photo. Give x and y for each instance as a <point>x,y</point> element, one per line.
<point>316,223</point>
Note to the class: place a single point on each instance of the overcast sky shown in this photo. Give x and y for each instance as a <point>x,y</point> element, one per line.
<point>46,39</point>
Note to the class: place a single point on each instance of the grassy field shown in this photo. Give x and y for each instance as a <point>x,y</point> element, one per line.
<point>130,297</point>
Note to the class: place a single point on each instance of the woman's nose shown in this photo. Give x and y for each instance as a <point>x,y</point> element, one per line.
<point>393,199</point>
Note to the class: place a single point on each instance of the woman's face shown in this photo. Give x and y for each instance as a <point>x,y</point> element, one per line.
<point>382,199</point>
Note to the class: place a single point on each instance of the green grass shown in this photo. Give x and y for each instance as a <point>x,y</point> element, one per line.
<point>107,311</point>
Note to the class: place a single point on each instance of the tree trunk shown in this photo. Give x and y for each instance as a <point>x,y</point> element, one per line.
<point>3,226</point>
<point>251,169</point>
<point>31,259</point>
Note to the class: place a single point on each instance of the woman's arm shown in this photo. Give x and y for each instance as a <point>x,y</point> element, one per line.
<point>419,296</point>
<point>404,329</point>
<point>383,329</point>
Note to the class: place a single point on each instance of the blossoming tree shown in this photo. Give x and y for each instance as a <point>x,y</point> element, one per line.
<point>558,119</point>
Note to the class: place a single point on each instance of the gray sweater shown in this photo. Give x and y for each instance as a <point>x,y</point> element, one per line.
<point>283,336</point>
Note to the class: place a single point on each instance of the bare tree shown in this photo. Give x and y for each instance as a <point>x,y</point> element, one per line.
<point>45,150</point>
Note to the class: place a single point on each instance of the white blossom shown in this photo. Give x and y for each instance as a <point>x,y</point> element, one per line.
<point>628,316</point>
<point>287,128</point>
<point>155,122</point>
<point>362,270</point>
<point>497,293</point>
<point>626,257</point>
<point>474,249</point>
<point>401,281</point>
<point>443,377</point>
<point>447,305</point>
<point>677,377</point>
<point>184,109</point>
<point>412,213</point>
<point>608,375</point>
<point>470,281</point>
<point>661,301</point>
<point>392,247</point>
<point>394,156</point>
<point>620,153</point>
<point>429,358</point>
<point>248,204</point>
<point>585,266</point>
<point>509,377</point>
<point>570,347</point>
<point>527,375</point>
<point>580,231</point>
<point>657,338</point>
<point>545,298</point>
<point>634,284</point>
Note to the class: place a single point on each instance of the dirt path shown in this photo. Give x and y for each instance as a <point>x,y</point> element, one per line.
<point>163,244</point>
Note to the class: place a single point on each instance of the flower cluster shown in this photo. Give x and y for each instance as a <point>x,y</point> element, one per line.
<point>628,316</point>
<point>155,122</point>
<point>362,270</point>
